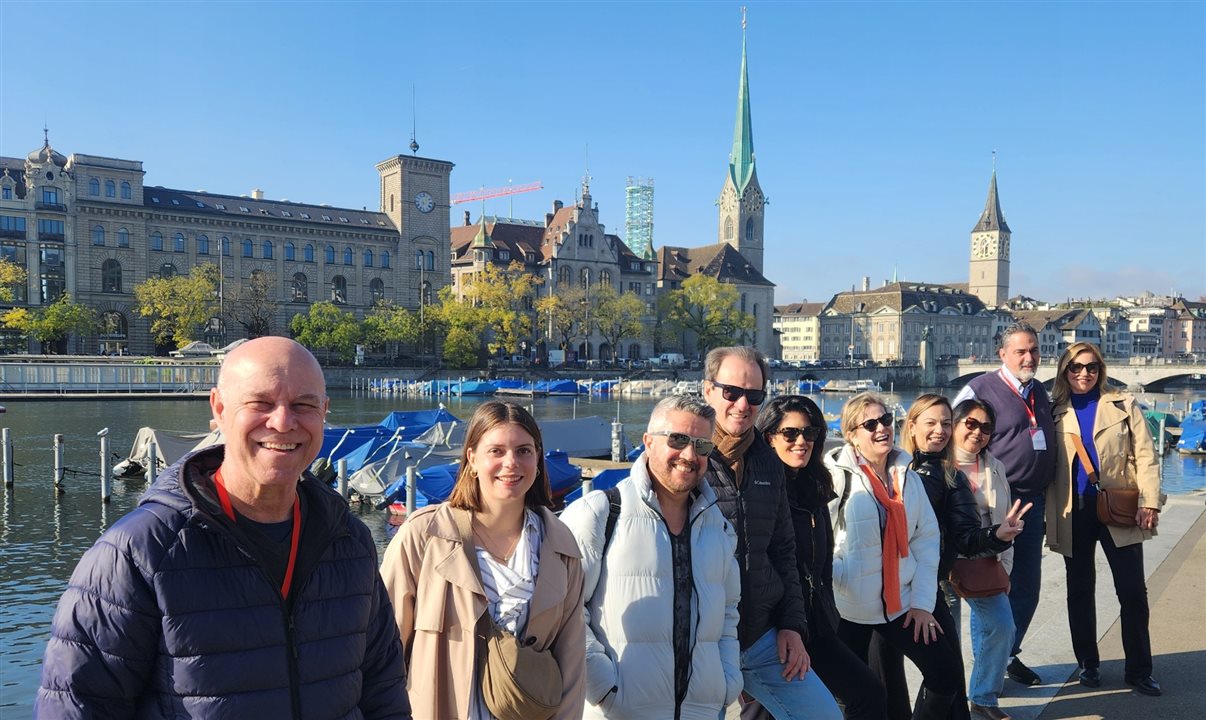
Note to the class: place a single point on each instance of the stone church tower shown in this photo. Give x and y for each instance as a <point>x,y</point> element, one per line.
<point>741,200</point>
<point>988,275</point>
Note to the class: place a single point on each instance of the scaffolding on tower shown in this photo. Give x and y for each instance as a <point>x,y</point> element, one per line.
<point>638,217</point>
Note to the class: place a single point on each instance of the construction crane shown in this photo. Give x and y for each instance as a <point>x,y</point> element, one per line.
<point>486,194</point>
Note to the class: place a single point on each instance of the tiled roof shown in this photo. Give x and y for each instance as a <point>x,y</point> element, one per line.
<point>901,296</point>
<point>16,170</point>
<point>721,261</point>
<point>231,206</point>
<point>806,309</point>
<point>520,238</point>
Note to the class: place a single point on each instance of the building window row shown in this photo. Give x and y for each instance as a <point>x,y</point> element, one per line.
<point>94,189</point>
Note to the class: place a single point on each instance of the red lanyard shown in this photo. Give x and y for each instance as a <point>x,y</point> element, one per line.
<point>224,498</point>
<point>1027,402</point>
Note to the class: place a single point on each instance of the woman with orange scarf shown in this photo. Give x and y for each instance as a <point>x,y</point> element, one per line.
<point>885,560</point>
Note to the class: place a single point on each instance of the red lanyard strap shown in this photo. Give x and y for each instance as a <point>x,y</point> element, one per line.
<point>1027,401</point>
<point>228,509</point>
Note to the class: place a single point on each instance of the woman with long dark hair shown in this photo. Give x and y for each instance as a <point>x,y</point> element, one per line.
<point>493,553</point>
<point>795,428</point>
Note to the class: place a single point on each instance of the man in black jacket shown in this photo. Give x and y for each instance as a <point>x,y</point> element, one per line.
<point>748,479</point>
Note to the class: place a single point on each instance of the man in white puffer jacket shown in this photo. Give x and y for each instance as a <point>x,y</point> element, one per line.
<point>661,592</point>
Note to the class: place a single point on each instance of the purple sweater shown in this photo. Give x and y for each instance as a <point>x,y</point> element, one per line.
<point>1029,471</point>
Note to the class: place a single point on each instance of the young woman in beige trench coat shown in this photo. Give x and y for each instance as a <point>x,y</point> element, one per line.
<point>449,563</point>
<point>1116,437</point>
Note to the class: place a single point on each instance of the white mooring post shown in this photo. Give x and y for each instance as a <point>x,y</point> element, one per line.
<point>106,479</point>
<point>7,440</point>
<point>152,462</point>
<point>58,462</point>
<point>617,441</point>
<point>341,475</point>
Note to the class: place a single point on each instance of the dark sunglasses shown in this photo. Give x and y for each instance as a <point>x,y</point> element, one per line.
<point>680,441</point>
<point>869,425</point>
<point>791,434</point>
<point>732,393</point>
<point>973,425</point>
<point>1092,367</point>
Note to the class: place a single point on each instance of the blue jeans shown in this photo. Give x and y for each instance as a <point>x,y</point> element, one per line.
<point>1026,578</point>
<point>992,635</point>
<point>763,674</point>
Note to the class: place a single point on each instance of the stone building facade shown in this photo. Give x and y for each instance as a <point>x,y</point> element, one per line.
<point>799,328</point>
<point>90,227</point>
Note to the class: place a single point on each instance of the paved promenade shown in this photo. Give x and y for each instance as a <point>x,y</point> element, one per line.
<point>1175,562</point>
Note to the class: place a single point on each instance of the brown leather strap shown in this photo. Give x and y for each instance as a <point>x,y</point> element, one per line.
<point>1085,462</point>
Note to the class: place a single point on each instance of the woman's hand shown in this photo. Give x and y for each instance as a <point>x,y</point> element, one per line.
<point>1147,518</point>
<point>1012,527</point>
<point>793,655</point>
<point>924,626</point>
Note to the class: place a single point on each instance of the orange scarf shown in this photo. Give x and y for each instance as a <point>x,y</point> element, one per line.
<point>896,535</point>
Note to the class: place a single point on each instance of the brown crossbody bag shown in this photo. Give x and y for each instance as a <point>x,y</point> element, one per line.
<point>1115,506</point>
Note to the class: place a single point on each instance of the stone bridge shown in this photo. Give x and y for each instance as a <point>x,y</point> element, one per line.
<point>1150,376</point>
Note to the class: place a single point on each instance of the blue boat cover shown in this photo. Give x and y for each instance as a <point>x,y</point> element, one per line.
<point>1193,430</point>
<point>416,422</point>
<point>602,481</point>
<point>435,483</point>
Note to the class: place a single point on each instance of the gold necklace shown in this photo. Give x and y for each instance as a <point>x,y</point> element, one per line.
<point>488,542</point>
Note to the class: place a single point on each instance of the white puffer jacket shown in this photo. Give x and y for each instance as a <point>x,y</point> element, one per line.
<point>630,605</point>
<point>858,541</point>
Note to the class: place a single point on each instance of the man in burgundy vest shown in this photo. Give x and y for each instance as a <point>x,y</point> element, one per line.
<point>1023,440</point>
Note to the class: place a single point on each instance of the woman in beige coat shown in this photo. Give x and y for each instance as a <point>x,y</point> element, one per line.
<point>1119,446</point>
<point>494,547</point>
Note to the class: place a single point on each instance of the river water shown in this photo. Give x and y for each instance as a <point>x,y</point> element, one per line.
<point>43,534</point>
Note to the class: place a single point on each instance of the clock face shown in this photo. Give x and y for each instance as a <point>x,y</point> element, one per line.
<point>424,202</point>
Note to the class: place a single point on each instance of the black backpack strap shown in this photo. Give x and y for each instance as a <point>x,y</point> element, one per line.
<point>613,513</point>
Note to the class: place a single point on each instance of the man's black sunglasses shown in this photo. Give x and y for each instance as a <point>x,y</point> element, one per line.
<point>869,425</point>
<point>732,393</point>
<point>680,441</point>
<point>791,434</point>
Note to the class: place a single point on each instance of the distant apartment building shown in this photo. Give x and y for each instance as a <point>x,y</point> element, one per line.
<point>89,226</point>
<point>799,328</point>
<point>1060,328</point>
<point>1187,329</point>
<point>1117,341</point>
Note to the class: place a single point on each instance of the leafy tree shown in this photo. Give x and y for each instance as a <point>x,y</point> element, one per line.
<point>53,323</point>
<point>618,316</point>
<point>708,308</point>
<point>255,304</point>
<point>505,296</point>
<point>389,323</point>
<point>565,311</point>
<point>327,327</point>
<point>11,275</point>
<point>178,306</point>
<point>463,326</point>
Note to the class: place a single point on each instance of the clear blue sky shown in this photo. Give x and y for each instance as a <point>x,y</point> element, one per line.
<point>874,123</point>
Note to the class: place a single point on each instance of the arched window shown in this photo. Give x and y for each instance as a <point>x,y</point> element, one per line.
<point>604,277</point>
<point>329,255</point>
<point>728,228</point>
<point>167,271</point>
<point>301,288</point>
<point>248,248</point>
<point>98,235</point>
<point>339,290</point>
<point>431,259</point>
<point>347,256</point>
<point>377,289</point>
<point>225,246</point>
<point>202,244</point>
<point>114,326</point>
<point>308,253</point>
<point>123,237</point>
<point>565,275</point>
<point>290,252</point>
<point>749,230</point>
<point>126,192</point>
<point>156,241</point>
<point>584,278</point>
<point>110,189</point>
<point>385,258</point>
<point>267,249</point>
<point>634,351</point>
<point>111,276</point>
<point>368,257</point>
<point>93,186</point>
<point>178,242</point>
<point>418,259</point>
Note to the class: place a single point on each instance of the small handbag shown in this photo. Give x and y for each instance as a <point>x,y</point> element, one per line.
<point>519,682</point>
<point>1115,506</point>
<point>979,577</point>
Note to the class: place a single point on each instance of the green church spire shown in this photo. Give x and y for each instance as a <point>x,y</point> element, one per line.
<point>741,160</point>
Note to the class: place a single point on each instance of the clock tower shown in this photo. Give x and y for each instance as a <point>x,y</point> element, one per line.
<point>415,198</point>
<point>741,202</point>
<point>988,274</point>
